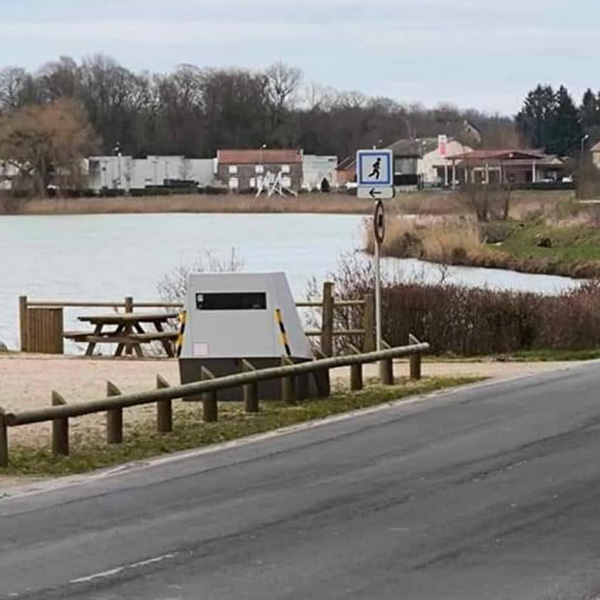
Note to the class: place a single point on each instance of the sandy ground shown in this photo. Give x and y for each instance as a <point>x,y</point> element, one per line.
<point>27,382</point>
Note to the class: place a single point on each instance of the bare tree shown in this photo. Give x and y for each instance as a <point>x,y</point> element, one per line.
<point>489,202</point>
<point>283,84</point>
<point>172,287</point>
<point>12,85</point>
<point>46,142</point>
<point>59,79</point>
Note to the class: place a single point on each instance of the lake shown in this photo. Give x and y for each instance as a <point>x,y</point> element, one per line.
<point>107,257</point>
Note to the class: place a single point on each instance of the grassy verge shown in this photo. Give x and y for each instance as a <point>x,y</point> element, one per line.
<point>190,432</point>
<point>540,355</point>
<point>574,249</point>
<point>551,355</point>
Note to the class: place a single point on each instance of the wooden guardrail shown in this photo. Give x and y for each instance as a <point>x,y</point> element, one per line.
<point>293,378</point>
<point>42,322</point>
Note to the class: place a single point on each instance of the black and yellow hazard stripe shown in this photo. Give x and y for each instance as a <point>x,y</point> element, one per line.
<point>182,319</point>
<point>283,336</point>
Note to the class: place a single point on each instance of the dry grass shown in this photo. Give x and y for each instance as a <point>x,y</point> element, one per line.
<point>309,203</point>
<point>445,240</point>
<point>524,204</point>
<point>438,203</point>
<point>451,241</point>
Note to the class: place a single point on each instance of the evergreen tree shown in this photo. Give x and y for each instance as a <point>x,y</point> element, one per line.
<point>590,114</point>
<point>565,131</point>
<point>534,120</point>
<point>590,110</point>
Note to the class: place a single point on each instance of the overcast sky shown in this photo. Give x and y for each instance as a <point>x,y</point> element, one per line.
<point>484,54</point>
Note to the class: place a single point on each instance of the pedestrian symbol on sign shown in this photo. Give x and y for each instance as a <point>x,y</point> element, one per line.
<point>374,168</point>
<point>376,172</point>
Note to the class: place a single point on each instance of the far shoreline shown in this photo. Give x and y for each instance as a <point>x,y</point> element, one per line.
<point>424,202</point>
<point>196,203</point>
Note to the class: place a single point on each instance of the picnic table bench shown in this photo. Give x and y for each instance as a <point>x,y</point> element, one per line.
<point>127,332</point>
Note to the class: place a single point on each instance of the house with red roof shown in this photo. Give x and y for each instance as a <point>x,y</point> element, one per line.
<point>243,170</point>
<point>512,166</point>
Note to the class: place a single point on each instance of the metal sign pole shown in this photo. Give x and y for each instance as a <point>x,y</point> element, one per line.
<point>378,294</point>
<point>379,235</point>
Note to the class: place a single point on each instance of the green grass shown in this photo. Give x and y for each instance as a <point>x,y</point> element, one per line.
<point>142,442</point>
<point>568,243</point>
<point>551,355</point>
<point>539,355</point>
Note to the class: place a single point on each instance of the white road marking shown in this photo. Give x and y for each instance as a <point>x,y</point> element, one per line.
<point>117,570</point>
<point>101,575</point>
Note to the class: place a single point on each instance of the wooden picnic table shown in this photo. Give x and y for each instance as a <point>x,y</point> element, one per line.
<point>128,333</point>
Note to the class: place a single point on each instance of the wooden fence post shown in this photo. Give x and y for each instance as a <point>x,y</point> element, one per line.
<point>210,404</point>
<point>301,386</point>
<point>164,409</point>
<point>327,320</point>
<point>415,360</point>
<point>128,328</point>
<point>386,368</point>
<point>356,373</point>
<point>288,388</point>
<point>251,403</point>
<point>322,379</point>
<point>369,324</point>
<point>23,323</point>
<point>60,429</point>
<point>3,440</point>
<point>114,417</point>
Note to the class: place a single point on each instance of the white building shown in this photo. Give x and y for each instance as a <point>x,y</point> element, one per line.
<point>8,172</point>
<point>109,172</point>
<point>316,168</point>
<point>126,173</point>
<point>596,155</point>
<point>434,166</point>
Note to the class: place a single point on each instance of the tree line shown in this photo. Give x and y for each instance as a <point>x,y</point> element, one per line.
<point>52,117</point>
<point>550,120</point>
<point>196,111</point>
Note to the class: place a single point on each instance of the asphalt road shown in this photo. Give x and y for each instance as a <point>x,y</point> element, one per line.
<point>485,493</point>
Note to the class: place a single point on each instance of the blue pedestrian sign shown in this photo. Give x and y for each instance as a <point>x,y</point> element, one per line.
<point>374,168</point>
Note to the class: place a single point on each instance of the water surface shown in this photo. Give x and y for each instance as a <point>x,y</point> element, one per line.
<point>107,257</point>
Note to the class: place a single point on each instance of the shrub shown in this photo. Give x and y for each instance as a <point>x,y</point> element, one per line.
<point>466,321</point>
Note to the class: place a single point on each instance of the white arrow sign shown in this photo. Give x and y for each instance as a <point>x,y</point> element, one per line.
<point>371,192</point>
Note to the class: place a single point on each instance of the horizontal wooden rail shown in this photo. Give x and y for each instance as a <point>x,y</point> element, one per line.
<point>206,386</point>
<point>59,304</point>
<point>121,304</point>
<point>336,303</point>
<point>158,304</point>
<point>335,333</point>
<point>83,304</point>
<point>344,303</point>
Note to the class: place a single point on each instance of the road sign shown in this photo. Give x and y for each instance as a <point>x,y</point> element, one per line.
<point>375,193</point>
<point>374,168</point>
<point>379,222</point>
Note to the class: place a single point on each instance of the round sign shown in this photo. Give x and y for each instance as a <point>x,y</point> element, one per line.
<point>379,222</point>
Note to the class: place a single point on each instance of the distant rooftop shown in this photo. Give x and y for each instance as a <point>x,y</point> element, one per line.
<point>253,157</point>
<point>506,154</point>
